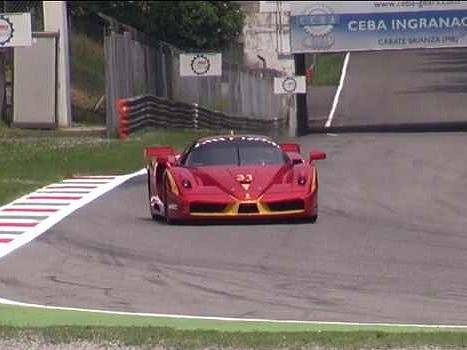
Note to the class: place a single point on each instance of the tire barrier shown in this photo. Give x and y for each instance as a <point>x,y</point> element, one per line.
<point>148,111</point>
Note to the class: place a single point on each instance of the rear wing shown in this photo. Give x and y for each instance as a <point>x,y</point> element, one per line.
<point>290,147</point>
<point>293,152</point>
<point>160,154</point>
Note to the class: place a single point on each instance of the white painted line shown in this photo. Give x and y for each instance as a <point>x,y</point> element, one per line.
<point>71,187</point>
<point>13,229</point>
<point>91,181</point>
<point>95,177</point>
<point>338,92</point>
<point>48,307</point>
<point>46,201</point>
<point>18,208</point>
<point>63,212</point>
<point>4,214</point>
<point>7,220</point>
<point>65,191</point>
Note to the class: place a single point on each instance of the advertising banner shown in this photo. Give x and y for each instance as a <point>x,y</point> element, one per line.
<point>333,26</point>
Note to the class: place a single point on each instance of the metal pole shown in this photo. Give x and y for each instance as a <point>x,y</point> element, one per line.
<point>195,115</point>
<point>302,113</point>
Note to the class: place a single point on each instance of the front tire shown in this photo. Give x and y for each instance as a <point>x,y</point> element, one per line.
<point>154,216</point>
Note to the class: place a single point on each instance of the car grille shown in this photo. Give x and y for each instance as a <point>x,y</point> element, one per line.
<point>248,208</point>
<point>287,205</point>
<point>207,207</point>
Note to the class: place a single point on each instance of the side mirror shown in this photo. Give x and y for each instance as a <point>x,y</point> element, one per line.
<point>317,155</point>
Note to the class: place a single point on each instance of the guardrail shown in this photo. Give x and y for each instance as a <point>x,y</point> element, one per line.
<point>151,111</point>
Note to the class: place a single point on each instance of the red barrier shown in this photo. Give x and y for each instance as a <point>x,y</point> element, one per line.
<point>122,110</point>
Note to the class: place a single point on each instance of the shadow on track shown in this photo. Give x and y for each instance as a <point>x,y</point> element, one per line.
<point>235,222</point>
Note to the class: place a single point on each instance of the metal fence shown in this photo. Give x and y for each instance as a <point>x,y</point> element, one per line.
<point>137,66</point>
<point>151,111</point>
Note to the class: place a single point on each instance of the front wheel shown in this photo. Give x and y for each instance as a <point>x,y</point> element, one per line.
<point>154,216</point>
<point>313,219</point>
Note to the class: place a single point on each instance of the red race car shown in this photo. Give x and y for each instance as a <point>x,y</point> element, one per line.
<point>232,176</point>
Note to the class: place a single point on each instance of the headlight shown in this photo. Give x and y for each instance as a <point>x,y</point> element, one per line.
<point>302,180</point>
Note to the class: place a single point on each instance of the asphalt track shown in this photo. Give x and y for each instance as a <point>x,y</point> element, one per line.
<point>390,246</point>
<point>417,89</point>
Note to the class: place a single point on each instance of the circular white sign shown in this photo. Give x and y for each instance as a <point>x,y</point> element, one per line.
<point>319,28</point>
<point>289,84</point>
<point>200,64</point>
<point>6,30</point>
<point>320,33</point>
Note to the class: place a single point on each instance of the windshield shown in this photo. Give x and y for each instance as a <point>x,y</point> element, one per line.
<point>239,152</point>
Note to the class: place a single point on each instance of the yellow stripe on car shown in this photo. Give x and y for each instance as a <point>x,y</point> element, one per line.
<point>314,177</point>
<point>172,184</point>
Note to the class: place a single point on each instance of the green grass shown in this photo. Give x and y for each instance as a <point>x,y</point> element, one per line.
<point>59,326</point>
<point>328,69</point>
<point>22,316</point>
<point>32,159</point>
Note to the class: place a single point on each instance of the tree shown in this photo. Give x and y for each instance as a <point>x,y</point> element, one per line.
<point>208,25</point>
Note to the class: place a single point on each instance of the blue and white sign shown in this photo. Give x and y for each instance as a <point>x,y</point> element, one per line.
<point>332,26</point>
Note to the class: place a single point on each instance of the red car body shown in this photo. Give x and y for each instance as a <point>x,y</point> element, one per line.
<point>232,177</point>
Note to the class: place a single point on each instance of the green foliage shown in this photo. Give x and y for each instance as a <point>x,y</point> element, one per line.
<point>87,64</point>
<point>208,25</point>
<point>328,69</point>
<point>87,78</point>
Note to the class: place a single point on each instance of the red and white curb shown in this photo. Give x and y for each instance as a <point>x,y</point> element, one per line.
<point>26,218</point>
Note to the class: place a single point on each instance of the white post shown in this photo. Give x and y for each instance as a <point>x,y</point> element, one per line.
<point>195,116</point>
<point>292,105</point>
<point>55,20</point>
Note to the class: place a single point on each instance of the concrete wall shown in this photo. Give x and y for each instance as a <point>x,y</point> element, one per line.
<point>267,34</point>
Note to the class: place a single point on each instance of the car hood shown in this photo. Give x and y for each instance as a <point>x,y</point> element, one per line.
<point>243,182</point>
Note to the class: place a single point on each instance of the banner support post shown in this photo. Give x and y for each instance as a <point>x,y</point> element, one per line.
<point>302,113</point>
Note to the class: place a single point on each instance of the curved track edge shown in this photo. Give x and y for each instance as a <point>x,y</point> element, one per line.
<point>348,325</point>
<point>44,195</point>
